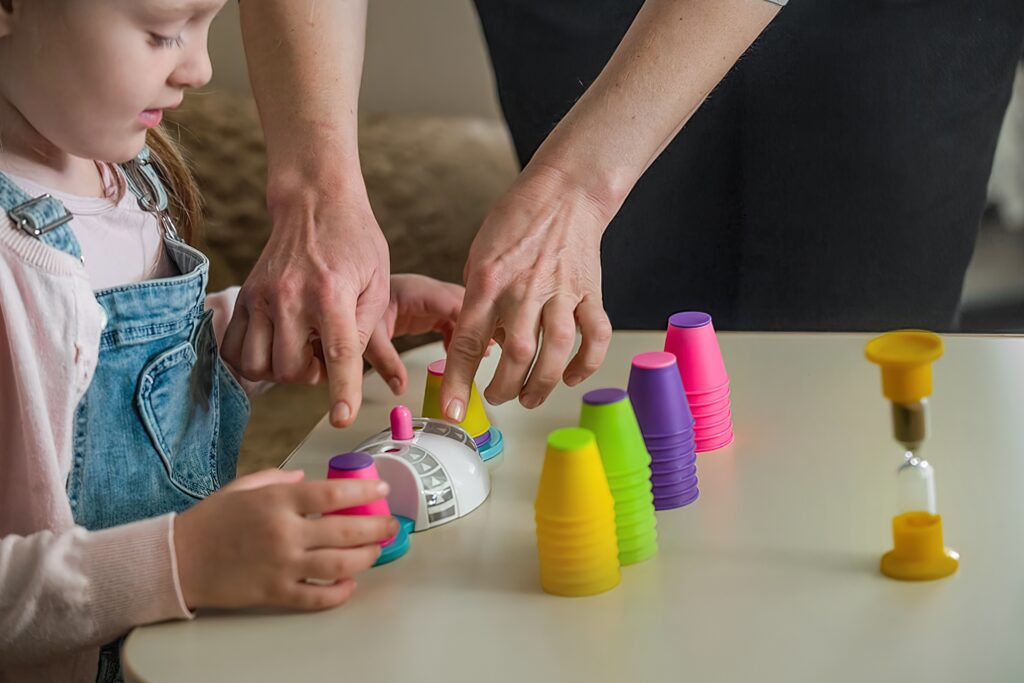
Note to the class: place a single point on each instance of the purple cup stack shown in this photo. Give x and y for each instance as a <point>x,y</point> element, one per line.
<point>659,401</point>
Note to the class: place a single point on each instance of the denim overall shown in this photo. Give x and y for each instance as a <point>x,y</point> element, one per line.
<point>160,426</point>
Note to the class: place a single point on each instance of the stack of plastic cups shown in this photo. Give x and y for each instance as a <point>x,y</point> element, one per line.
<point>361,466</point>
<point>489,439</point>
<point>609,415</point>
<point>691,339</point>
<point>575,514</point>
<point>660,403</point>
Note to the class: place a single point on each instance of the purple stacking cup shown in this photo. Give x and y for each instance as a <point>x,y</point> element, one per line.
<point>657,394</point>
<point>673,502</point>
<point>672,454</point>
<point>673,490</point>
<point>675,477</point>
<point>682,465</point>
<point>661,442</point>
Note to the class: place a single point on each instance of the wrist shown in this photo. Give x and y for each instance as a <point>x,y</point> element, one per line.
<point>306,184</point>
<point>560,180</point>
<point>184,557</point>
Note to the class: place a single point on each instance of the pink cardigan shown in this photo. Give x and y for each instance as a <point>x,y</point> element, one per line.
<point>64,591</point>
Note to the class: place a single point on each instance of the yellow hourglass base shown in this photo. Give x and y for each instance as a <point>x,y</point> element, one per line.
<point>918,553</point>
<point>928,570</point>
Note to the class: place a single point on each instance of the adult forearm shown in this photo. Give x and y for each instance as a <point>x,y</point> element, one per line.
<point>673,55</point>
<point>305,63</point>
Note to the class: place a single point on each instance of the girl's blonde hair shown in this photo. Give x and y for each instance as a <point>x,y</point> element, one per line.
<point>184,200</point>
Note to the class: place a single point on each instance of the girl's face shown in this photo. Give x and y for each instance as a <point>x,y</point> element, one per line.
<point>91,76</point>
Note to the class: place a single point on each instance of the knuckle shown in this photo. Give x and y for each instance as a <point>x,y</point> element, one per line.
<point>278,533</point>
<point>317,600</point>
<point>561,335</point>
<point>489,279</point>
<point>289,288</point>
<point>601,331</point>
<point>543,382</point>
<point>341,568</point>
<point>288,375</point>
<point>467,345</point>
<point>344,535</point>
<point>331,498</point>
<point>339,350</point>
<point>520,348</point>
<point>254,369</point>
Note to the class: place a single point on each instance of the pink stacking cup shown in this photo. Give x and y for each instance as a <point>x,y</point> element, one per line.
<point>709,425</point>
<point>358,466</point>
<point>701,400</point>
<point>711,412</point>
<point>691,339</point>
<point>713,443</point>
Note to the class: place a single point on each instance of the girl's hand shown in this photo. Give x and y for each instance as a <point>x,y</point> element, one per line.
<point>418,304</point>
<point>252,543</point>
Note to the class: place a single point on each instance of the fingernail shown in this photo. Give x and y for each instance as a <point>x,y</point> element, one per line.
<point>529,401</point>
<point>456,410</point>
<point>573,380</point>
<point>341,413</point>
<point>395,384</point>
<point>382,489</point>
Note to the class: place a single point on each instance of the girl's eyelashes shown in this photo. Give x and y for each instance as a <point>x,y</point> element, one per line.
<point>166,41</point>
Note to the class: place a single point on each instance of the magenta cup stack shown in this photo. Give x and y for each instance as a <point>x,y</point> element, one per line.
<point>358,466</point>
<point>659,402</point>
<point>691,339</point>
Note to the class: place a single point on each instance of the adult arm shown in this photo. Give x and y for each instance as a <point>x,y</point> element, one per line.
<point>535,264</point>
<point>324,271</point>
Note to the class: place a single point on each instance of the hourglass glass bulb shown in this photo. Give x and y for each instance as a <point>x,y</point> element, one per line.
<point>916,479</point>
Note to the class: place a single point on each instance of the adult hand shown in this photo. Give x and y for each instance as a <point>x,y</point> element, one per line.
<point>419,304</point>
<point>534,267</point>
<point>324,273</point>
<point>254,544</point>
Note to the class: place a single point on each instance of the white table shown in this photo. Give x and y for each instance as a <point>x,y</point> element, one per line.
<point>772,575</point>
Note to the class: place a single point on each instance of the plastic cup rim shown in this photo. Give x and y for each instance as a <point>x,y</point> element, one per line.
<point>665,435</point>
<point>715,445</point>
<point>675,455</point>
<point>715,434</point>
<point>700,415</point>
<point>674,440</point>
<point>711,426</point>
<point>703,392</point>
<point>690,487</point>
<point>585,519</point>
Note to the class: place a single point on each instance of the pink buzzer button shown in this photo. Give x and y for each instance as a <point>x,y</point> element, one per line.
<point>401,424</point>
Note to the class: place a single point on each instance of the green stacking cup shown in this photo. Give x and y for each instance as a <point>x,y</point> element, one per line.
<point>638,548</point>
<point>609,415</point>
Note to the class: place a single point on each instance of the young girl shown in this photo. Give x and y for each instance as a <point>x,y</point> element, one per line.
<point>117,416</point>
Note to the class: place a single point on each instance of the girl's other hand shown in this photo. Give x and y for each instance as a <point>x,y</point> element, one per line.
<point>419,304</point>
<point>254,544</point>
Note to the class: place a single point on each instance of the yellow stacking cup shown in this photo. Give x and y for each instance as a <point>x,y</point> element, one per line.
<point>573,494</point>
<point>476,421</point>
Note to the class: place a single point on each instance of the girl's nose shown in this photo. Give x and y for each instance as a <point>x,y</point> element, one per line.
<point>194,70</point>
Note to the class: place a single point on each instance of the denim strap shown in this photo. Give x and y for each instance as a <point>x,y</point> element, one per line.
<point>42,217</point>
<point>144,182</point>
